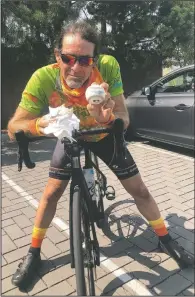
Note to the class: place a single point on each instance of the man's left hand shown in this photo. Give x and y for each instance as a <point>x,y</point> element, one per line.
<point>102,112</point>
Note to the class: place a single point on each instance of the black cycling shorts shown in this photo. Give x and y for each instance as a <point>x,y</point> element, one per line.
<point>125,167</point>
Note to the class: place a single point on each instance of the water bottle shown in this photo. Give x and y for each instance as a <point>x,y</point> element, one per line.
<point>90,180</point>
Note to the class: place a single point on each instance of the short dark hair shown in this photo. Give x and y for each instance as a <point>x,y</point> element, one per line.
<point>85,30</point>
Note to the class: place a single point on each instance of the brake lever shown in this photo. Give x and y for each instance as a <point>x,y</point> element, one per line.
<point>23,153</point>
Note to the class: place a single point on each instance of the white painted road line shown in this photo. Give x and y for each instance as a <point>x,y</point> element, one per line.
<point>137,287</point>
<point>159,150</point>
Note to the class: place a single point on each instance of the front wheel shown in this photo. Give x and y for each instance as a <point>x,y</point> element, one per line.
<point>82,246</point>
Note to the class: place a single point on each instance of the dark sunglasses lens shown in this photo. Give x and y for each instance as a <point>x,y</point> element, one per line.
<point>67,59</point>
<point>85,61</point>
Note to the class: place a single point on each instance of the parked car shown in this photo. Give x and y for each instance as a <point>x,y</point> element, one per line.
<point>164,110</point>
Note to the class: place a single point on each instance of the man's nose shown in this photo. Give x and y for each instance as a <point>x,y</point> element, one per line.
<point>76,66</point>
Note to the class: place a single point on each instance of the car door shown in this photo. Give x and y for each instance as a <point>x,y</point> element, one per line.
<point>168,114</point>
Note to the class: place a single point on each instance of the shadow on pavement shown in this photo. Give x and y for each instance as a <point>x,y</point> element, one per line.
<point>133,228</point>
<point>150,274</point>
<point>137,226</point>
<point>127,234</point>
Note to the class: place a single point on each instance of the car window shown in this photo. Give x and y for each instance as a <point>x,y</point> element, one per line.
<point>183,82</point>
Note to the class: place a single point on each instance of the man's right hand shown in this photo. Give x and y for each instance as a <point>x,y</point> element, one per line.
<point>21,119</point>
<point>44,122</point>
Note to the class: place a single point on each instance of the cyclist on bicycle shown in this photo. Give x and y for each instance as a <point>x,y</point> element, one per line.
<point>77,66</point>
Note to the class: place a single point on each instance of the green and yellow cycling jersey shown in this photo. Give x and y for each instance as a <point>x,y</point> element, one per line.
<point>45,88</point>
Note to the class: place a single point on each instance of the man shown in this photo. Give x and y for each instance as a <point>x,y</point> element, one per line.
<point>78,66</point>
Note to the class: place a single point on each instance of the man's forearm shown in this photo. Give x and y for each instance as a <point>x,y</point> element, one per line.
<point>16,125</point>
<point>124,116</point>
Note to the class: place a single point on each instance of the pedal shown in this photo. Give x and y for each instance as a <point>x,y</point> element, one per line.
<point>110,193</point>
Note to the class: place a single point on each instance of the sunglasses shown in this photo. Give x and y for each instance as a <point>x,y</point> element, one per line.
<point>82,60</point>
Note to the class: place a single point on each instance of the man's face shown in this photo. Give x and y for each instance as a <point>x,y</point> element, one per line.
<point>75,75</point>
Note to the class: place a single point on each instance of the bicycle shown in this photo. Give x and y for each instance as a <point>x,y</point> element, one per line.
<point>83,211</point>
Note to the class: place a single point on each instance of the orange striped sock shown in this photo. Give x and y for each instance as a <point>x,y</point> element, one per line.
<point>159,227</point>
<point>37,237</point>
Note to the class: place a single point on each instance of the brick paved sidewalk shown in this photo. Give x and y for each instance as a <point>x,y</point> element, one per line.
<point>127,241</point>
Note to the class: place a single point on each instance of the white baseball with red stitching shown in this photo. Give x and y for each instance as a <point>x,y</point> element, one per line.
<point>95,94</point>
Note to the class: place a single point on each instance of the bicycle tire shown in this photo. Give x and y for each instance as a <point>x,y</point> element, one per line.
<point>78,217</point>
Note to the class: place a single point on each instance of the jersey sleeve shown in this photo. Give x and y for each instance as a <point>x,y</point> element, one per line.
<point>33,97</point>
<point>111,74</point>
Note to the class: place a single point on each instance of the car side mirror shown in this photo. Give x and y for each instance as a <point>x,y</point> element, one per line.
<point>146,91</point>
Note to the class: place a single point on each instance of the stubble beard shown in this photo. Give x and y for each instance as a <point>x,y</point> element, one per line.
<point>74,83</point>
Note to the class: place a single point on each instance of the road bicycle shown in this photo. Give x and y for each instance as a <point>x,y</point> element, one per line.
<point>86,208</point>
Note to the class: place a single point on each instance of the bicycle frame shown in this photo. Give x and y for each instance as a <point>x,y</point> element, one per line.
<point>88,206</point>
<point>78,179</point>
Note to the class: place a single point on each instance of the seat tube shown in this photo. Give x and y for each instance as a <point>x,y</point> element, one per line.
<point>87,158</point>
